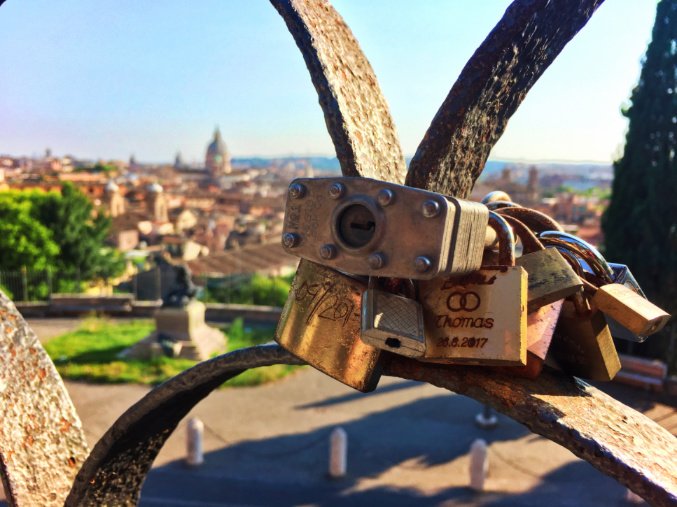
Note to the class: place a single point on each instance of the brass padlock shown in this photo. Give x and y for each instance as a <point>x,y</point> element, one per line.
<point>582,344</point>
<point>629,314</point>
<point>376,228</point>
<point>480,318</point>
<point>320,324</point>
<point>392,322</point>
<point>550,276</point>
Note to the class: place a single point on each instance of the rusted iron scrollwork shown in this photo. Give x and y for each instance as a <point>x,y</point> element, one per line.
<point>612,437</point>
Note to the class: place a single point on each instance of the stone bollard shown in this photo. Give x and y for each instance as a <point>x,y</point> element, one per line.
<point>338,453</point>
<point>633,498</point>
<point>479,464</point>
<point>194,432</point>
<point>486,419</point>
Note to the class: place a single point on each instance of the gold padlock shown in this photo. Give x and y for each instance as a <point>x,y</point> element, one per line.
<point>320,324</point>
<point>582,344</point>
<point>550,277</point>
<point>478,318</point>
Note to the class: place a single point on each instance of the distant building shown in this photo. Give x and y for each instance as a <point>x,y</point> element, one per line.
<point>217,159</point>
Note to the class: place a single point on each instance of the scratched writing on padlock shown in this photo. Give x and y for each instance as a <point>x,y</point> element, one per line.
<point>475,319</point>
<point>325,300</point>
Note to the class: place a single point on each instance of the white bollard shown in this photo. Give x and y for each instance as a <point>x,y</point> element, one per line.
<point>479,464</point>
<point>338,453</point>
<point>633,498</point>
<point>194,432</point>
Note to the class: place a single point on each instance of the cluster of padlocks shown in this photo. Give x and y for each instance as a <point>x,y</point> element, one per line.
<point>394,269</point>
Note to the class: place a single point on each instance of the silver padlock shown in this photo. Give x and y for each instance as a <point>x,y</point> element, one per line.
<point>392,322</point>
<point>376,228</point>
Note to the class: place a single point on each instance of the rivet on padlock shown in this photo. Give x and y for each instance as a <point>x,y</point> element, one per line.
<point>550,277</point>
<point>629,314</point>
<point>392,322</point>
<point>479,318</point>
<point>320,323</point>
<point>582,344</point>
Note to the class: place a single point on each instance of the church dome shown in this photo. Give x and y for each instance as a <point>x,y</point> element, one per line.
<point>217,146</point>
<point>155,188</point>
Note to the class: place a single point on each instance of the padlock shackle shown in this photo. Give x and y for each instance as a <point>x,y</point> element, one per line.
<point>535,220</point>
<point>529,240</point>
<point>494,205</point>
<point>583,250</point>
<point>496,196</point>
<point>506,239</point>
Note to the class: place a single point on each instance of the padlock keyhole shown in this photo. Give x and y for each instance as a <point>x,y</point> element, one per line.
<point>393,343</point>
<point>356,225</point>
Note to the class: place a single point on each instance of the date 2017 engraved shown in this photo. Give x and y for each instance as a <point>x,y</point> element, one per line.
<point>324,302</point>
<point>462,341</point>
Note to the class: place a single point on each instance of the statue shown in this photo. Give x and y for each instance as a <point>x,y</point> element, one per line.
<point>182,291</point>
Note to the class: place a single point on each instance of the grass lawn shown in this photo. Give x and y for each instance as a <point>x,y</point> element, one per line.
<point>90,353</point>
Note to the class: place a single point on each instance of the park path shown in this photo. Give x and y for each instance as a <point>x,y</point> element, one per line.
<point>408,444</point>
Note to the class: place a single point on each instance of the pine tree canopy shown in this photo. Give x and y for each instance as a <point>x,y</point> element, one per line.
<point>640,224</point>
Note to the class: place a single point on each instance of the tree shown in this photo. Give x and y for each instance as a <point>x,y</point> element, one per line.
<point>640,224</point>
<point>79,233</point>
<point>23,241</point>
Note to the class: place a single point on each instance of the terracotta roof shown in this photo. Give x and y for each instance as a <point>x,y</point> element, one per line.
<point>251,259</point>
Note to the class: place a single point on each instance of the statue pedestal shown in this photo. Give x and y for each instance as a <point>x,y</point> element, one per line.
<point>180,332</point>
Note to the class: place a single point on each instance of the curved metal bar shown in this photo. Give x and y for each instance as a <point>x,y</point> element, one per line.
<point>117,466</point>
<point>42,443</point>
<point>489,90</point>
<point>609,435</point>
<point>535,220</point>
<point>355,111</point>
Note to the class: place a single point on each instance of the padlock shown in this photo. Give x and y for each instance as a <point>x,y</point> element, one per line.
<point>629,314</point>
<point>480,318</point>
<point>541,326</point>
<point>369,227</point>
<point>633,312</point>
<point>550,276</point>
<point>392,322</point>
<point>320,324</point>
<point>582,344</point>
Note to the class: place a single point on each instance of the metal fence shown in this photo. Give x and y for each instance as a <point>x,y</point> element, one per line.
<point>149,285</point>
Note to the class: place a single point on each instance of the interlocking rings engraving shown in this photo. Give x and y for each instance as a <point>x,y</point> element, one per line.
<point>463,301</point>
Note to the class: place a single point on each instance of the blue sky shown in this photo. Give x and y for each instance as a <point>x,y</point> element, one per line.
<point>109,78</point>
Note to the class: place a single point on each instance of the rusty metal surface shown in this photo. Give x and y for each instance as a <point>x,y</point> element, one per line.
<point>614,438</point>
<point>355,111</point>
<point>117,466</point>
<point>42,444</point>
<point>490,88</point>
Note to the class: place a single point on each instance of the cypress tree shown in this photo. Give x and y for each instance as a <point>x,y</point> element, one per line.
<point>640,224</point>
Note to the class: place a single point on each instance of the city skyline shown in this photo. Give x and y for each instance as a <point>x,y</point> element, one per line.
<point>158,80</point>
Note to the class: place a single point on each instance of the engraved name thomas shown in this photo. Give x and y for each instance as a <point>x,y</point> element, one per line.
<point>463,301</point>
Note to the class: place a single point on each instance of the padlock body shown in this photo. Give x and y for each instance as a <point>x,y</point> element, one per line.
<point>393,323</point>
<point>550,277</point>
<point>541,326</point>
<point>320,324</point>
<point>370,227</point>
<point>479,318</point>
<point>635,313</point>
<point>583,346</point>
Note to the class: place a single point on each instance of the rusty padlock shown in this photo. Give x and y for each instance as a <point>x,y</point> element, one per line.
<point>478,318</point>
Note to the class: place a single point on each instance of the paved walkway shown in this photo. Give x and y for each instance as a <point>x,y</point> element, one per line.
<point>408,445</point>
